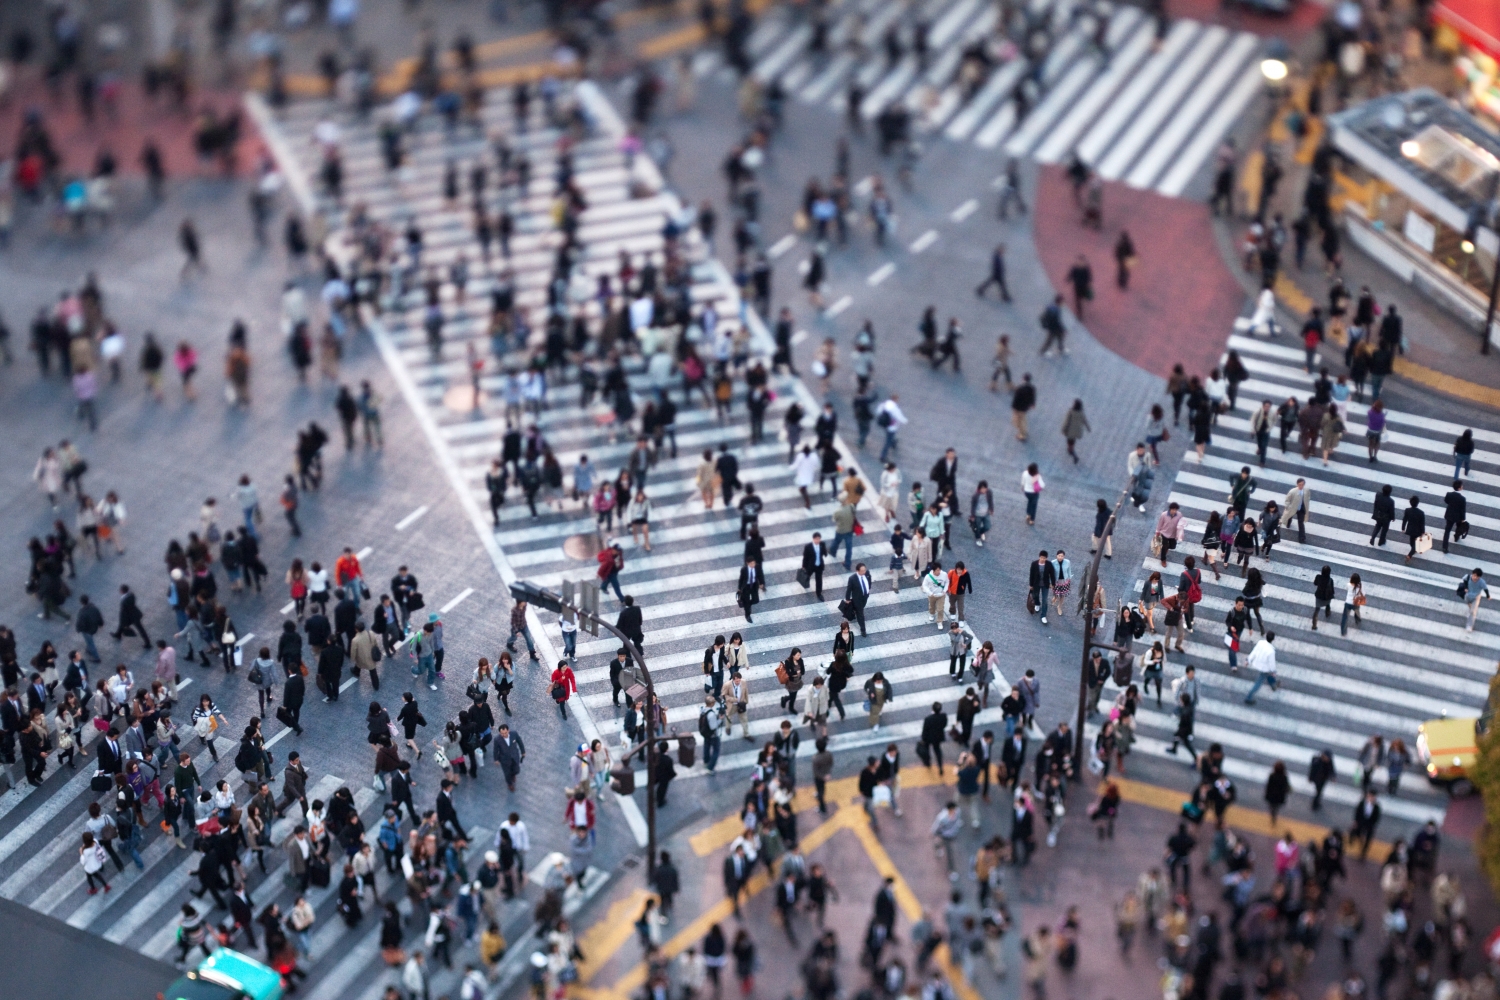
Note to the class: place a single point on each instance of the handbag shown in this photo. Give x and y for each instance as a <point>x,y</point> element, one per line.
<point>1423,543</point>
<point>804,578</point>
<point>414,601</point>
<point>781,674</point>
<point>1030,602</point>
<point>881,796</point>
<point>1156,546</point>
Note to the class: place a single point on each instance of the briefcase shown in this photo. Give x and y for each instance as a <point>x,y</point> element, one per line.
<point>804,578</point>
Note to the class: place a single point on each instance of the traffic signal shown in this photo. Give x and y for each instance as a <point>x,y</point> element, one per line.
<point>623,781</point>
<point>536,596</point>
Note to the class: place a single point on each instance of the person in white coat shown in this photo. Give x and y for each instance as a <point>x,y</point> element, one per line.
<point>1263,320</point>
<point>805,469</point>
<point>48,474</point>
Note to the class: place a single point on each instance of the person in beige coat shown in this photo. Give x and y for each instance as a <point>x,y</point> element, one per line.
<point>364,650</point>
<point>737,701</point>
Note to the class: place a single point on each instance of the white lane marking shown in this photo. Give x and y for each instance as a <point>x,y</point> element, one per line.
<point>289,608</point>
<point>839,306</point>
<point>781,246</point>
<point>279,737</point>
<point>880,274</point>
<point>965,210</point>
<point>244,639</point>
<point>463,595</point>
<point>348,684</point>
<point>864,186</point>
<point>799,336</point>
<point>924,241</point>
<point>411,518</point>
<point>363,553</point>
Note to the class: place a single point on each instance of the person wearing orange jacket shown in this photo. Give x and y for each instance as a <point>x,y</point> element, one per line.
<point>959,584</point>
<point>348,574</point>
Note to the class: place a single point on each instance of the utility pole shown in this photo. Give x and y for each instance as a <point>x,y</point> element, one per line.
<point>1086,608</point>
<point>539,597</point>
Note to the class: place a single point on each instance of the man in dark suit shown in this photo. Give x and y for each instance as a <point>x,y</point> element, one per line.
<point>630,622</point>
<point>984,755</point>
<point>241,909</point>
<point>747,591</point>
<point>292,693</point>
<point>36,694</point>
<point>728,468</point>
<point>885,908</point>
<point>1366,818</point>
<point>400,783</point>
<point>1013,756</point>
<point>857,593</point>
<point>447,814</point>
<point>132,622</point>
<point>1455,509</point>
<point>621,660</point>
<point>345,616</point>
<point>331,670</point>
<point>509,753</point>
<point>111,759</point>
<point>319,630</point>
<point>814,560</point>
<point>944,473</point>
<point>12,720</point>
<point>293,784</point>
<point>736,873</point>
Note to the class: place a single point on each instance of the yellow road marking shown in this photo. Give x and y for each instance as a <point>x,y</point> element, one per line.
<point>1249,820</point>
<point>721,911</point>
<point>909,903</point>
<point>610,933</point>
<point>839,792</point>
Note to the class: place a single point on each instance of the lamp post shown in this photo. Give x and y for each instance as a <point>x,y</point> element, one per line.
<point>540,597</point>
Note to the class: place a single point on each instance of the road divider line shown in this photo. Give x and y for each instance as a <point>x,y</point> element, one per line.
<point>781,246</point>
<point>924,241</point>
<point>965,210</point>
<point>880,274</point>
<point>244,639</point>
<point>799,336</point>
<point>289,608</point>
<point>410,519</point>
<point>463,596</point>
<point>839,306</point>
<point>363,553</point>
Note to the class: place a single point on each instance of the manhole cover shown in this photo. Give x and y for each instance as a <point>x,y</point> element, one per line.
<point>460,399</point>
<point>584,547</point>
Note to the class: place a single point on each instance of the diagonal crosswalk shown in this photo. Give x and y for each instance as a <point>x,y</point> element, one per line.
<point>686,583</point>
<point>1150,112</point>
<point>1410,660</point>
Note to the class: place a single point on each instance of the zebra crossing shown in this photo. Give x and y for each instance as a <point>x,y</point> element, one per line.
<point>686,583</point>
<point>1149,113</point>
<point>39,869</point>
<point>1410,661</point>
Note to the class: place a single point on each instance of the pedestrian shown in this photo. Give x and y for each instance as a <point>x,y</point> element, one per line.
<point>1263,661</point>
<point>1031,488</point>
<point>1366,818</point>
<point>1463,453</point>
<point>1081,277</point>
<point>1022,400</point>
<point>1075,425</point>
<point>1298,505</point>
<point>1323,592</point>
<point>1455,510</point>
<point>1320,771</point>
<point>1124,260</point>
<point>1354,599</point>
<point>1471,590</point>
<point>996,276</point>
<point>1414,523</point>
<point>192,249</point>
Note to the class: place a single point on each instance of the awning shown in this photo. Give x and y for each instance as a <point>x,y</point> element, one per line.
<point>1476,21</point>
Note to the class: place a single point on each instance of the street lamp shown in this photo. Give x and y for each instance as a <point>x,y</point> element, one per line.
<point>540,597</point>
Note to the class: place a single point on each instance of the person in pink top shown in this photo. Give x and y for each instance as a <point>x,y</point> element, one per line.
<point>1169,530</point>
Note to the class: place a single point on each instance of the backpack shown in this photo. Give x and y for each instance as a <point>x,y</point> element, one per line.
<point>560,691</point>
<point>704,729</point>
<point>1195,589</point>
<point>883,418</point>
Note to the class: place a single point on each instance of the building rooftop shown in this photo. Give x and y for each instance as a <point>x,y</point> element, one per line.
<point>1442,146</point>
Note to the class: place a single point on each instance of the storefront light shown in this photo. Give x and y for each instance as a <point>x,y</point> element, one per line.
<point>1467,246</point>
<point>1411,149</point>
<point>1274,70</point>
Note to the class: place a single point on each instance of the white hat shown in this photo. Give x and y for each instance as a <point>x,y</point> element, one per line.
<point>492,857</point>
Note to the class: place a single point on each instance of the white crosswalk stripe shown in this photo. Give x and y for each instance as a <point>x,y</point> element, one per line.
<point>1151,115</point>
<point>686,583</point>
<point>1411,659</point>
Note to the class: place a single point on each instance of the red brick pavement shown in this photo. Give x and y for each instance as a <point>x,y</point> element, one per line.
<point>1182,301</point>
<point>136,119</point>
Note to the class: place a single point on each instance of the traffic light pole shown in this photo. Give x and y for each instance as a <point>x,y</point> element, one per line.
<point>1086,606</point>
<point>531,593</point>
